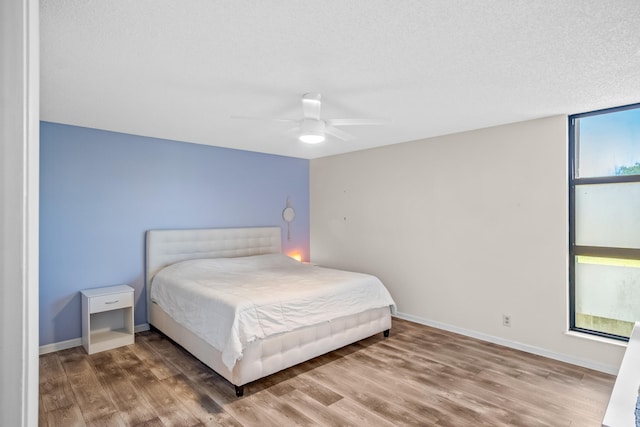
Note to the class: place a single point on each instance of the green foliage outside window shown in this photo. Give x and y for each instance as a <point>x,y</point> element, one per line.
<point>628,170</point>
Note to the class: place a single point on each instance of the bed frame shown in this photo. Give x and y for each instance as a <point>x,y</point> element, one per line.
<point>261,357</point>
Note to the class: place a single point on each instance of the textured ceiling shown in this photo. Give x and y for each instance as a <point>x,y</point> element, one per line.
<point>180,69</point>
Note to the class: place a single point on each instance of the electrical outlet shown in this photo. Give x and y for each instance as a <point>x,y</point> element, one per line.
<point>506,320</point>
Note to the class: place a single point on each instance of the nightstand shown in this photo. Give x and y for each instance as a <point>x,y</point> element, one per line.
<point>107,318</point>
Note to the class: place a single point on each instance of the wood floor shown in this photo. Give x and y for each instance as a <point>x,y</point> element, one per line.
<point>418,376</point>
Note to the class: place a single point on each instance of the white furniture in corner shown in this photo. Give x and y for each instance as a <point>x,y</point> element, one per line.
<point>107,318</point>
<point>622,404</point>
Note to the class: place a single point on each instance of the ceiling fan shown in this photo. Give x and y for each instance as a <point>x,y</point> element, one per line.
<point>312,129</point>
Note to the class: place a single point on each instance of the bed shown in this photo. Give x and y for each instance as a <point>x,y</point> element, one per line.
<point>274,345</point>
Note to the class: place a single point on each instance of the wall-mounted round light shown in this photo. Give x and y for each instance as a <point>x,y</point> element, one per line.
<point>288,214</point>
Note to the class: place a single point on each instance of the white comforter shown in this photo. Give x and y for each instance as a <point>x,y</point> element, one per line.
<point>230,302</point>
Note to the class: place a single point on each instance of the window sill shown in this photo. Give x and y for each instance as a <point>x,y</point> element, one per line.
<point>596,338</point>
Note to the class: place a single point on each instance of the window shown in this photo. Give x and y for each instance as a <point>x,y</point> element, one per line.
<point>604,221</point>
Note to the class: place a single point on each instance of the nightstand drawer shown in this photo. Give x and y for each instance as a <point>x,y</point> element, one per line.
<point>110,302</point>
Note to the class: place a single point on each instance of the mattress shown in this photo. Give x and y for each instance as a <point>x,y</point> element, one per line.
<point>231,302</point>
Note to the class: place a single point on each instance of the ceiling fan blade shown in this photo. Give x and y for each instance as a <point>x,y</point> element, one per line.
<point>311,105</point>
<point>357,122</point>
<point>270,119</point>
<point>340,134</point>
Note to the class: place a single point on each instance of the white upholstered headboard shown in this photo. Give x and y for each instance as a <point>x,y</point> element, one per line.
<point>166,247</point>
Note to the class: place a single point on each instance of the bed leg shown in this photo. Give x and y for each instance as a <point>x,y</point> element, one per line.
<point>239,390</point>
<point>386,333</point>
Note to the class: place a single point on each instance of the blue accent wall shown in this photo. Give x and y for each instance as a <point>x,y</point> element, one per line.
<point>100,191</point>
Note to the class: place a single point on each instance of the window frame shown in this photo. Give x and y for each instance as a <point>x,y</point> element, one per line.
<point>575,250</point>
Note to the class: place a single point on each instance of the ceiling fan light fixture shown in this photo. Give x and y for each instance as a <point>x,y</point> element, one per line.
<point>312,139</point>
<point>312,131</point>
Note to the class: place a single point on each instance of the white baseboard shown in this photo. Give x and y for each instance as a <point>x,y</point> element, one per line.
<point>608,369</point>
<point>61,345</point>
<point>76,342</point>
<point>141,327</point>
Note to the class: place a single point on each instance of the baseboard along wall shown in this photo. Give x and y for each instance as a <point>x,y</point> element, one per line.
<point>607,369</point>
<point>76,342</point>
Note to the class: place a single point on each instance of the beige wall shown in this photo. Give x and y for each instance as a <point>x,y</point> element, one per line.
<point>462,229</point>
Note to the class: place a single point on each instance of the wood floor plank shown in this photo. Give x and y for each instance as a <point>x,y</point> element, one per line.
<point>178,358</point>
<point>423,402</point>
<point>169,410</point>
<point>417,376</point>
<point>127,359</point>
<point>155,422</point>
<point>130,383</point>
<point>444,382</point>
<point>524,384</point>
<point>374,397</point>
<point>69,416</point>
<point>50,367</point>
<point>277,411</point>
<point>110,420</point>
<point>133,407</point>
<point>198,402</point>
<point>42,414</point>
<point>221,390</point>
<point>248,413</point>
<point>74,361</point>
<point>156,363</point>
<point>580,398</point>
<point>318,412</point>
<point>358,415</point>
<point>106,367</point>
<point>424,399</point>
<point>315,390</point>
<point>56,393</point>
<point>91,396</point>
<point>131,404</point>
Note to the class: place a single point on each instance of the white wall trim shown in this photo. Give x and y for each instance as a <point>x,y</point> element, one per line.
<point>19,198</point>
<point>141,327</point>
<point>61,345</point>
<point>608,369</point>
<point>76,342</point>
